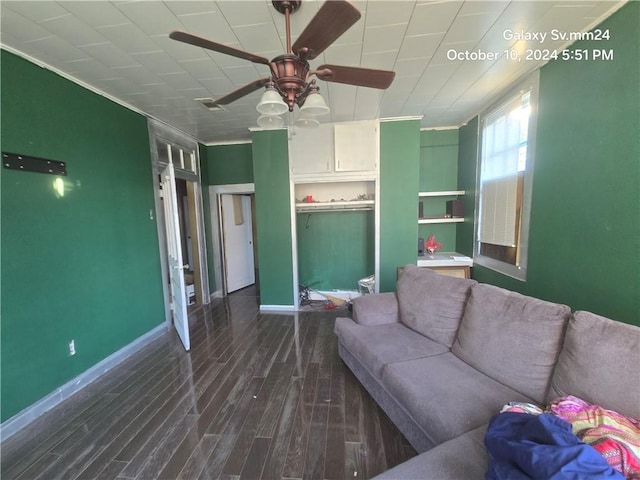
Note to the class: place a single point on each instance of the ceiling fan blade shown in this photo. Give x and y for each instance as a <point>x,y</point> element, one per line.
<point>362,77</point>
<point>242,91</point>
<point>333,19</point>
<point>191,39</point>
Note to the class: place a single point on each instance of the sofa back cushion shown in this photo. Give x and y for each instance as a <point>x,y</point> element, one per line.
<point>599,363</point>
<point>512,338</point>
<point>432,304</point>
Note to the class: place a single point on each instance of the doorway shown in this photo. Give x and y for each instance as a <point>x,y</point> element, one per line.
<point>233,237</point>
<point>190,249</point>
<point>238,240</point>
<point>180,223</point>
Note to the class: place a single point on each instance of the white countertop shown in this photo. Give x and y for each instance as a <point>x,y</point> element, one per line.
<point>445,259</point>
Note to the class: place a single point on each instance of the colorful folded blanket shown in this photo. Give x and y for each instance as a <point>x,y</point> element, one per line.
<point>614,436</point>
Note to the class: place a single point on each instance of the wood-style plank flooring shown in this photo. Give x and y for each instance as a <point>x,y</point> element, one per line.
<point>260,396</point>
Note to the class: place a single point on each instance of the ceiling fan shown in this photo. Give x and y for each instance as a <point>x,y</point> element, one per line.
<point>290,72</point>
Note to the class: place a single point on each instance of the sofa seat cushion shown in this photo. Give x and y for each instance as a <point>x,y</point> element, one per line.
<point>464,457</point>
<point>445,396</point>
<point>599,363</point>
<point>432,304</point>
<point>513,338</point>
<point>378,345</point>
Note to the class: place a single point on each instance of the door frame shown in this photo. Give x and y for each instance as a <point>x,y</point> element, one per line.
<point>216,228</point>
<point>160,131</point>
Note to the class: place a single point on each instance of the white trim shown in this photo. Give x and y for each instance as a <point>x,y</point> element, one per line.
<point>278,308</point>
<point>229,142</point>
<point>216,232</point>
<point>376,219</point>
<point>260,129</point>
<point>233,188</point>
<point>216,294</point>
<point>426,129</point>
<point>32,412</point>
<point>400,119</point>
<point>442,193</point>
<point>294,240</point>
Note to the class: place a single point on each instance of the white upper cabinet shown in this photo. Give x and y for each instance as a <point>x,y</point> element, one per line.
<point>335,149</point>
<point>356,146</point>
<point>311,150</point>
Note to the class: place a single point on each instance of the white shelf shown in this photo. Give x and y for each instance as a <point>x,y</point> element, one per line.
<point>444,259</point>
<point>441,220</point>
<point>444,193</point>
<point>340,205</point>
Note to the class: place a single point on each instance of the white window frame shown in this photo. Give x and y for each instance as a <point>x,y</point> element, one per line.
<point>519,272</point>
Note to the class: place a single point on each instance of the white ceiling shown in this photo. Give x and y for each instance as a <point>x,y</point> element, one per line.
<point>122,49</point>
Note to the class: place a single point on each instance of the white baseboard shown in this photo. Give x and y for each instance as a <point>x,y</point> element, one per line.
<point>277,308</point>
<point>216,294</point>
<point>29,414</point>
<point>342,294</point>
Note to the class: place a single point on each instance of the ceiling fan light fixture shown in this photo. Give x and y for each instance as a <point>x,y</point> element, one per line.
<point>288,84</point>
<point>271,102</point>
<point>314,104</point>
<point>306,120</point>
<point>270,121</point>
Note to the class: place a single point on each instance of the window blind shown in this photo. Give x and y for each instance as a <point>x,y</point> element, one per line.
<point>504,143</point>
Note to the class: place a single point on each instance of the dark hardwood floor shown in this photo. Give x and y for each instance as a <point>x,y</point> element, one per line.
<point>259,396</point>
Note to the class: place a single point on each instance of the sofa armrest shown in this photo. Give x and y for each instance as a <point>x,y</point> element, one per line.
<point>378,309</point>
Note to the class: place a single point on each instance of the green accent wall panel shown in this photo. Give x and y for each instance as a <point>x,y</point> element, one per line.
<point>438,160</point>
<point>585,218</point>
<point>335,249</point>
<point>273,216</point>
<point>84,265</point>
<point>399,181</point>
<point>229,164</point>
<point>467,165</point>
<point>438,172</point>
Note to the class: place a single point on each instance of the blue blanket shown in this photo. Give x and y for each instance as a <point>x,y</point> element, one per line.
<point>523,446</point>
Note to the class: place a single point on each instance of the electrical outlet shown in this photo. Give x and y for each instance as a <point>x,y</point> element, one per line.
<point>72,347</point>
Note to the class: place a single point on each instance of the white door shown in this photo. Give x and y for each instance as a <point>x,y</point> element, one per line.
<point>176,272</point>
<point>237,231</point>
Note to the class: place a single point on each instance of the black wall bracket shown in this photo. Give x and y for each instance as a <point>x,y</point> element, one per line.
<point>14,161</point>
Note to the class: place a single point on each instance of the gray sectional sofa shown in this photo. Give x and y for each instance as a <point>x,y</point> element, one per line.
<point>442,355</point>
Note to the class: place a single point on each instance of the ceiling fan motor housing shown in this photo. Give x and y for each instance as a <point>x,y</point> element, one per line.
<point>290,74</point>
<point>283,5</point>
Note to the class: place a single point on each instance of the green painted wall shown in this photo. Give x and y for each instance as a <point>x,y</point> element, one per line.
<point>229,164</point>
<point>335,249</point>
<point>585,218</point>
<point>399,182</point>
<point>222,165</point>
<point>273,216</point>
<point>438,172</point>
<point>467,163</point>
<point>84,266</point>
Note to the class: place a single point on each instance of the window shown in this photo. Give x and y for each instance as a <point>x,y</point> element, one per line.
<point>505,178</point>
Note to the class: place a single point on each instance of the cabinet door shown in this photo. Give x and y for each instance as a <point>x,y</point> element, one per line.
<point>356,146</point>
<point>311,150</point>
